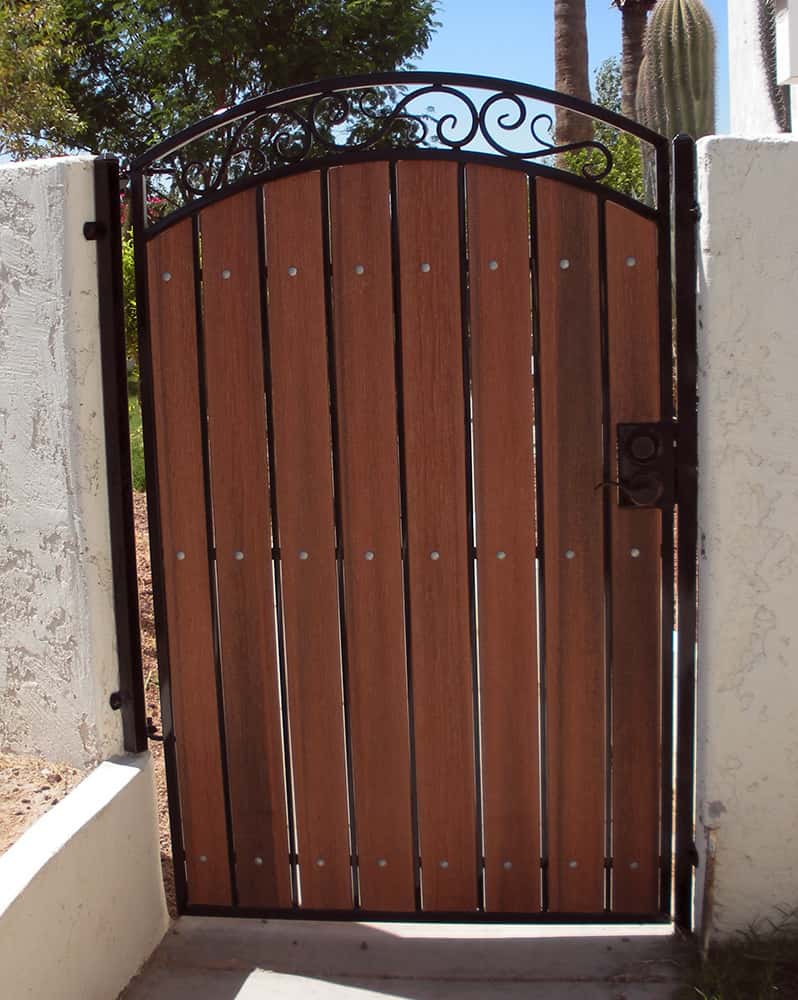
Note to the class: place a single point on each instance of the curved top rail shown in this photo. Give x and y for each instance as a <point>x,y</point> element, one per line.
<point>330,86</point>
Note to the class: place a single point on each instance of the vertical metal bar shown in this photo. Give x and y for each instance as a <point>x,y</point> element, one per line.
<point>339,539</point>
<point>539,512</point>
<point>665,290</point>
<point>108,234</point>
<point>685,219</point>
<point>465,312</point>
<point>606,499</point>
<point>400,425</point>
<point>212,578</point>
<point>276,560</point>
<point>139,215</point>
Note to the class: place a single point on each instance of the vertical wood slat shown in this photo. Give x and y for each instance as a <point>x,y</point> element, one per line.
<point>304,491</point>
<point>428,225</point>
<point>634,365</point>
<point>501,338</point>
<point>173,336</point>
<point>571,441</point>
<point>239,485</point>
<point>371,531</point>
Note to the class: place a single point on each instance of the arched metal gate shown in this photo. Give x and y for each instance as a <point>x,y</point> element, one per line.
<point>408,380</point>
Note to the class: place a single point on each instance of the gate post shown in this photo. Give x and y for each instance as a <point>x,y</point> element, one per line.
<point>685,270</point>
<point>106,229</point>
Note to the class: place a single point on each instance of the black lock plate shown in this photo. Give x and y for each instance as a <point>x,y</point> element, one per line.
<point>645,465</point>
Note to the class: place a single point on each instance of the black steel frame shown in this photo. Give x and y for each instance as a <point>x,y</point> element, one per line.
<point>106,230</point>
<point>677,210</point>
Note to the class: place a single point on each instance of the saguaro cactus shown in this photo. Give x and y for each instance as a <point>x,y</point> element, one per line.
<point>676,89</point>
<point>766,14</point>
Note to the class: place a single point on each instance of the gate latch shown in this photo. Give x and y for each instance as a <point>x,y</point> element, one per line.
<point>646,465</point>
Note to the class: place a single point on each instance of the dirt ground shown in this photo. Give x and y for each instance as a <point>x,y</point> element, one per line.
<point>151,690</point>
<point>29,786</point>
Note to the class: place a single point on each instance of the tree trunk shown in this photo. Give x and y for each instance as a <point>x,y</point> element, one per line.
<point>634,17</point>
<point>570,68</point>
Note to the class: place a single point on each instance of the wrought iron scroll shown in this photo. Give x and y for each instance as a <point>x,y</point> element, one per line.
<point>342,119</point>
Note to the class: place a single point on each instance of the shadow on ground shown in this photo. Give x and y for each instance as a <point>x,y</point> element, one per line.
<point>204,958</point>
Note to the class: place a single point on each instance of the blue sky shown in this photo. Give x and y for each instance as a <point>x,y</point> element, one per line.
<point>515,39</point>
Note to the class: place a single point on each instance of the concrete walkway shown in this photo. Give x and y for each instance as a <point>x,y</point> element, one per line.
<point>211,959</point>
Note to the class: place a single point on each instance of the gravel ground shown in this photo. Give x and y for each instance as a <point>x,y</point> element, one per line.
<point>29,786</point>
<point>151,690</point>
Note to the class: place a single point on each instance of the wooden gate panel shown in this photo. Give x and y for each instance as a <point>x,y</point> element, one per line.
<point>501,339</point>
<point>571,442</point>
<point>634,367</point>
<point>232,337</point>
<point>186,571</point>
<point>371,529</point>
<point>304,490</point>
<point>439,557</point>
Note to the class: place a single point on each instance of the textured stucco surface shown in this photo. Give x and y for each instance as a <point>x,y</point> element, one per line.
<point>748,453</point>
<point>81,896</point>
<point>750,109</point>
<point>57,645</point>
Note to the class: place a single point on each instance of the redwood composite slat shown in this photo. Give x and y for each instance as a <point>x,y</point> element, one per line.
<point>239,485</point>
<point>304,492</point>
<point>173,337</point>
<point>634,367</point>
<point>434,439</point>
<point>571,444</point>
<point>501,336</point>
<point>371,530</point>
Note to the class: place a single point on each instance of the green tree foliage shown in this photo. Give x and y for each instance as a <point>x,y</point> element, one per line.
<point>35,112</point>
<point>626,175</point>
<point>147,68</point>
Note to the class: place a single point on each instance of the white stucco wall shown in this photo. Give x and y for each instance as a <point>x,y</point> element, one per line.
<point>750,109</point>
<point>58,661</point>
<point>748,511</point>
<point>81,896</point>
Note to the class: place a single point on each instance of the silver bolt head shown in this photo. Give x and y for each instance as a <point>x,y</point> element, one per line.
<point>507,865</point>
<point>203,858</point>
<point>368,556</point>
<point>304,555</point>
<point>443,864</point>
<point>259,861</point>
<point>180,555</point>
<point>292,272</point>
<point>382,863</point>
<point>239,555</point>
<point>426,268</point>
<point>434,555</point>
<point>493,265</point>
<point>573,864</point>
<point>634,865</point>
<point>634,553</point>
<point>501,554</point>
<point>359,269</point>
<point>226,274</point>
<point>570,554</point>
<point>631,261</point>
<point>167,276</point>
<point>320,862</point>
<point>565,264</point>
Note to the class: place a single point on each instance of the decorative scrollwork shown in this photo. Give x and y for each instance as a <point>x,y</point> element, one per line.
<point>340,122</point>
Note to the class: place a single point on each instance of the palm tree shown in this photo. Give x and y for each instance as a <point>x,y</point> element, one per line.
<point>633,28</point>
<point>570,68</point>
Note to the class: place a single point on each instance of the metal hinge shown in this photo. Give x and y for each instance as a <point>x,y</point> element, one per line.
<point>93,230</point>
<point>152,732</point>
<point>646,466</point>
